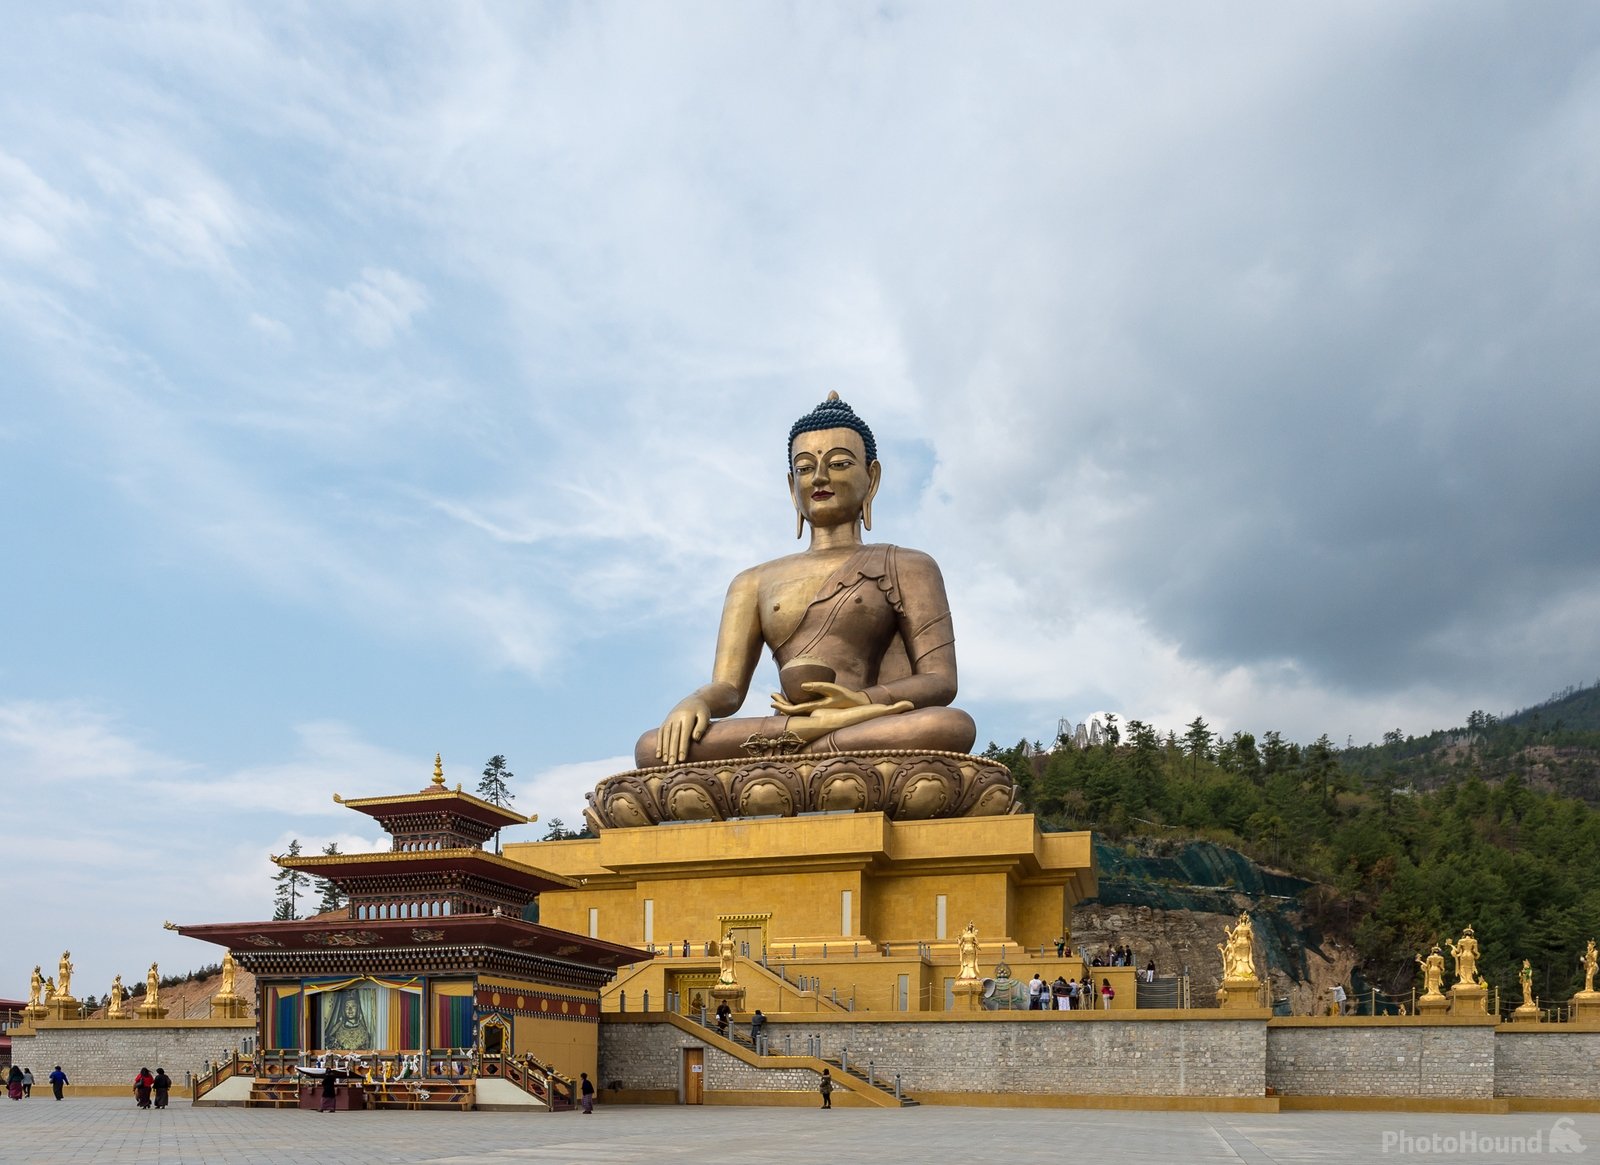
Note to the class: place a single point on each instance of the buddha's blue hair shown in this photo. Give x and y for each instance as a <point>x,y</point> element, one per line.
<point>833,413</point>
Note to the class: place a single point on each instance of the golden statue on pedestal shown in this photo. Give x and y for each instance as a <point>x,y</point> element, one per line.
<point>1238,951</point>
<point>64,975</point>
<point>1525,977</point>
<point>151,1007</point>
<point>968,985</point>
<point>969,951</point>
<point>1432,973</point>
<point>1590,961</point>
<point>865,649</point>
<point>114,1001</point>
<point>49,990</point>
<point>1465,953</point>
<point>36,987</point>
<point>728,989</point>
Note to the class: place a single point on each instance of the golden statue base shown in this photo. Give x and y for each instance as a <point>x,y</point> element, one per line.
<point>152,1011</point>
<point>730,993</point>
<point>906,785</point>
<point>1465,1000</point>
<point>1527,1013</point>
<point>63,1007</point>
<point>119,1013</point>
<point>1586,1006</point>
<point>1240,994</point>
<point>969,989</point>
<point>36,1012</point>
<point>229,1007</point>
<point>1433,1005</point>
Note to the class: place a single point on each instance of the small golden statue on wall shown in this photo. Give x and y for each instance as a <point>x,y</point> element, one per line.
<point>226,1003</point>
<point>1465,953</point>
<point>1432,973</point>
<point>968,985</point>
<point>968,943</point>
<point>1586,1003</point>
<point>64,975</point>
<point>1529,1011</point>
<point>1238,951</point>
<point>36,1008</point>
<point>728,988</point>
<point>151,1007</point>
<point>115,1001</point>
<point>1469,995</point>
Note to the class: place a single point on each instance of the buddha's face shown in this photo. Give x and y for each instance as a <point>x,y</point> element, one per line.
<point>829,476</point>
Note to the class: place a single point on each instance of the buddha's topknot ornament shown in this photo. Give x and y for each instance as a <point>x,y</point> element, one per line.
<point>833,413</point>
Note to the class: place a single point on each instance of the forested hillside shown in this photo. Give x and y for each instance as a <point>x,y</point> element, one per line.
<point>1408,841</point>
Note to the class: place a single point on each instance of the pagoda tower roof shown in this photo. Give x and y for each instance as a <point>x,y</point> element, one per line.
<point>338,868</point>
<point>437,797</point>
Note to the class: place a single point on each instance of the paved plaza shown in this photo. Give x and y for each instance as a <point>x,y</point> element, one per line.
<point>80,1131</point>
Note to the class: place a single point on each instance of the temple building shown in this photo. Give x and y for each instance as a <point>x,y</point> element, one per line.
<point>433,967</point>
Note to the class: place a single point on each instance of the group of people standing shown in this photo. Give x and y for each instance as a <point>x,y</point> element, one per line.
<point>148,1089</point>
<point>1068,994</point>
<point>19,1082</point>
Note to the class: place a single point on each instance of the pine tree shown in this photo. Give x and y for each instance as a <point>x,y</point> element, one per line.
<point>290,882</point>
<point>331,897</point>
<point>492,788</point>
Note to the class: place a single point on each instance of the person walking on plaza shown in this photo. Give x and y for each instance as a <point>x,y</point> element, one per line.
<point>14,1083</point>
<point>27,1082</point>
<point>826,1088</point>
<point>58,1080</point>
<point>142,1084</point>
<point>586,1093</point>
<point>330,1087</point>
<point>163,1086</point>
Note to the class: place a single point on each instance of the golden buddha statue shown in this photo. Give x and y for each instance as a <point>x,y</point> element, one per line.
<point>861,634</point>
<point>866,655</point>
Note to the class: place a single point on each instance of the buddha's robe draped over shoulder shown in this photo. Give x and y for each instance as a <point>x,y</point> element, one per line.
<point>876,619</point>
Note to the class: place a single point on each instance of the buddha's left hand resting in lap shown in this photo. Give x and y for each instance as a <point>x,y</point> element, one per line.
<point>861,633</point>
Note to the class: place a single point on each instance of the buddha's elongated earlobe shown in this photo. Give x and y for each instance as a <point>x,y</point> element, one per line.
<point>874,478</point>
<point>799,514</point>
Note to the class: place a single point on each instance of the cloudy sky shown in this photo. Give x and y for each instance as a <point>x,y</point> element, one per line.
<point>389,379</point>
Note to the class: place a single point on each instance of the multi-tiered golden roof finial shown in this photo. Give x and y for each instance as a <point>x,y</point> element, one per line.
<point>438,769</point>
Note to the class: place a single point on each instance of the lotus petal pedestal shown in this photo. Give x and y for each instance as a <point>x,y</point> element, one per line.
<point>904,785</point>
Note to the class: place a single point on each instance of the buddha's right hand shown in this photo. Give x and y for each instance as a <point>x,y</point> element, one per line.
<point>684,725</point>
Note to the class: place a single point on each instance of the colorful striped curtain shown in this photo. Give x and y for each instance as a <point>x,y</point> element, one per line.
<point>453,1013</point>
<point>283,1017</point>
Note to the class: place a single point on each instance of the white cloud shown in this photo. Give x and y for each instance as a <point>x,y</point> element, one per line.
<point>377,307</point>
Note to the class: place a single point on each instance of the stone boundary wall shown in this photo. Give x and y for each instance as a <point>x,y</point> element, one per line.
<point>1422,1059</point>
<point>1372,1062</point>
<point>1195,1054</point>
<point>649,1057</point>
<point>111,1052</point>
<point>1550,1061</point>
